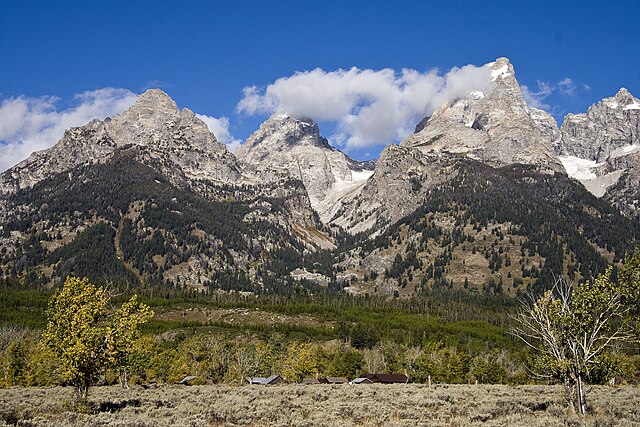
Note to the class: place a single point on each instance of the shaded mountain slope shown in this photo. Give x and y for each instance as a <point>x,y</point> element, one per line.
<point>162,234</point>
<point>494,230</point>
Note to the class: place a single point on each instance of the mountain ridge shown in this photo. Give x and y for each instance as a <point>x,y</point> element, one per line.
<point>169,205</point>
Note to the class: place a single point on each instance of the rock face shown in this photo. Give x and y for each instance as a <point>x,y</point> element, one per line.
<point>607,129</point>
<point>494,126</point>
<point>294,147</point>
<point>403,178</point>
<point>601,148</point>
<point>91,205</point>
<point>176,142</point>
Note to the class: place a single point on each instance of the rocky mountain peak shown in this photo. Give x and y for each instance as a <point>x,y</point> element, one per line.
<point>282,132</point>
<point>623,100</point>
<point>623,93</point>
<point>607,126</point>
<point>601,148</point>
<point>154,120</point>
<point>505,93</point>
<point>172,141</point>
<point>293,146</point>
<point>494,126</point>
<point>154,100</point>
<point>502,71</point>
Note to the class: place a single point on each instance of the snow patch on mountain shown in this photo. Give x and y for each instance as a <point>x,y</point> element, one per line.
<point>598,186</point>
<point>635,105</point>
<point>501,72</point>
<point>580,169</point>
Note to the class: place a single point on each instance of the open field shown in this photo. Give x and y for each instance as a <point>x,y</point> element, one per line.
<point>237,317</point>
<point>320,405</point>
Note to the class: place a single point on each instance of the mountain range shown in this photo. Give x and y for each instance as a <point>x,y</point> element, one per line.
<point>488,195</point>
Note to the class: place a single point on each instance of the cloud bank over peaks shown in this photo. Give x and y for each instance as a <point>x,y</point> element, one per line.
<point>369,107</point>
<point>33,124</point>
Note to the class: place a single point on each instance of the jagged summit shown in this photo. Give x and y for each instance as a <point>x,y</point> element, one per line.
<point>154,120</point>
<point>494,126</point>
<point>623,100</point>
<point>282,131</point>
<point>502,71</point>
<point>607,126</point>
<point>291,146</point>
<point>155,98</point>
<point>601,148</point>
<point>168,139</point>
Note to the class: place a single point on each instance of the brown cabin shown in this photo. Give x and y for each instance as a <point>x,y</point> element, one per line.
<point>387,378</point>
<point>336,380</point>
<point>272,380</point>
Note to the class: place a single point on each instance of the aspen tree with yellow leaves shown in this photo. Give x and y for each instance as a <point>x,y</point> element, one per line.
<point>86,337</point>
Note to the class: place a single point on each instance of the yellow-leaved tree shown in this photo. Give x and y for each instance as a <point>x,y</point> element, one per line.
<point>82,335</point>
<point>122,332</point>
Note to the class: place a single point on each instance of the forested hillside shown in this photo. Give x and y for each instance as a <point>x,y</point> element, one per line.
<point>495,231</point>
<point>123,222</point>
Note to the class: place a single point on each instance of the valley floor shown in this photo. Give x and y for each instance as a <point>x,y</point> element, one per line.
<point>320,405</point>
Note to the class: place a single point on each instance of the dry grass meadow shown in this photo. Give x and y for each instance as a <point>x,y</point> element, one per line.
<point>319,405</point>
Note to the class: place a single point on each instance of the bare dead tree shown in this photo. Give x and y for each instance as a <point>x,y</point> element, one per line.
<point>570,328</point>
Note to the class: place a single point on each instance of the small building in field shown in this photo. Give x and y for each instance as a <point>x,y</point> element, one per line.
<point>336,380</point>
<point>311,381</point>
<point>187,380</point>
<point>388,378</point>
<point>361,380</point>
<point>272,380</point>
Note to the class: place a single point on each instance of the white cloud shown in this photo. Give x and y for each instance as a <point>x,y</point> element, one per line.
<point>536,99</point>
<point>567,87</point>
<point>220,128</point>
<point>370,107</point>
<point>33,124</point>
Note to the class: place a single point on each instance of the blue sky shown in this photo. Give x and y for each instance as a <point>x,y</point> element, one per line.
<point>204,53</point>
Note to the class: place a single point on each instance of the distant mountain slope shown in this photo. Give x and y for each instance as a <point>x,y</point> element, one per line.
<point>286,145</point>
<point>477,198</point>
<point>496,231</point>
<point>160,232</point>
<point>601,148</point>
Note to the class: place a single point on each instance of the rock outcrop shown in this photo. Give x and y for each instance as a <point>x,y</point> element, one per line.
<point>294,147</point>
<point>601,148</point>
<point>494,126</point>
<point>174,141</point>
